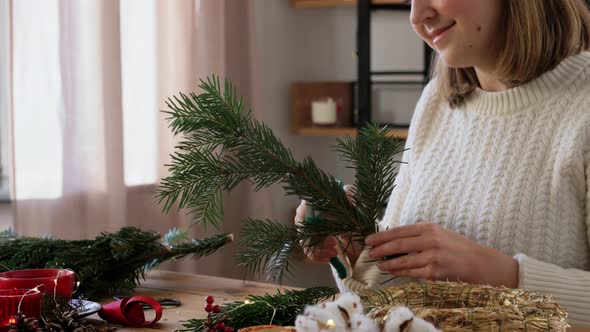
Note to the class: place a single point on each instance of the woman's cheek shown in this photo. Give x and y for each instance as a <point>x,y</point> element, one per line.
<point>421,32</point>
<point>460,8</point>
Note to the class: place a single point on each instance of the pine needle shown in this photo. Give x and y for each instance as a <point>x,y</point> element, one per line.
<point>222,146</point>
<point>109,263</point>
<point>279,309</point>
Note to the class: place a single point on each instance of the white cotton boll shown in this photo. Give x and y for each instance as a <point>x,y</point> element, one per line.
<point>306,324</point>
<point>362,323</point>
<point>326,312</point>
<point>351,303</point>
<point>344,314</point>
<point>396,317</point>
<point>402,316</point>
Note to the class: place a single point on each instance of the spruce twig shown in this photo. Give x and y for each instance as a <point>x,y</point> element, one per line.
<point>222,145</point>
<point>279,309</point>
<point>374,157</point>
<point>272,252</point>
<point>111,262</point>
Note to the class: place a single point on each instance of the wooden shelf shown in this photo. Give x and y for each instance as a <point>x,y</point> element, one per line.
<point>333,131</point>
<point>303,93</point>
<point>334,3</point>
<point>398,132</point>
<point>321,3</point>
<point>390,2</point>
<point>326,131</point>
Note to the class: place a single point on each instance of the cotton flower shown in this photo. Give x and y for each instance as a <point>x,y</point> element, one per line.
<point>344,314</point>
<point>401,319</point>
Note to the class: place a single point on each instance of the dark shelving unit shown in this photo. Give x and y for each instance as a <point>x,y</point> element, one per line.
<point>365,81</point>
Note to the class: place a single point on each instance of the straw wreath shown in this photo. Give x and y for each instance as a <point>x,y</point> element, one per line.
<point>462,307</point>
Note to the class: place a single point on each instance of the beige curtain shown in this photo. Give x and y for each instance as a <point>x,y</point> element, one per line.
<point>88,81</point>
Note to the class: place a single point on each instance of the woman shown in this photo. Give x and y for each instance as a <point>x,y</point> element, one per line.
<point>496,185</point>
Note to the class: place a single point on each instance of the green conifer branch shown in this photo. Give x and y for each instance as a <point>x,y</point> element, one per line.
<point>374,157</point>
<point>279,309</point>
<point>111,262</point>
<point>271,253</point>
<point>223,146</point>
<point>247,149</point>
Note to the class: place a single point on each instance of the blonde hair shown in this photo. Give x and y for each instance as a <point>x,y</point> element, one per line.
<point>538,35</point>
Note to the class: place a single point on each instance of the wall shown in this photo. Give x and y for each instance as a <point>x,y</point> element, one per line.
<point>319,44</point>
<point>6,216</point>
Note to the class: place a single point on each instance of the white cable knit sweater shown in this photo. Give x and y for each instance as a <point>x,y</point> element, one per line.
<point>510,170</point>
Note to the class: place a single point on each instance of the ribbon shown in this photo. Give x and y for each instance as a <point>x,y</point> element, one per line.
<point>128,311</point>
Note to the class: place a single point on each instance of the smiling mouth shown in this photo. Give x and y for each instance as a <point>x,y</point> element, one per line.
<point>438,33</point>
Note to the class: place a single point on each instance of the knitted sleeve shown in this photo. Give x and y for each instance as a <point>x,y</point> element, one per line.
<point>363,274</point>
<point>570,287</point>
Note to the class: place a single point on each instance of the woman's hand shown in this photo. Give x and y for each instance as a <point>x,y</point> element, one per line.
<point>439,254</point>
<point>323,251</point>
<point>331,246</point>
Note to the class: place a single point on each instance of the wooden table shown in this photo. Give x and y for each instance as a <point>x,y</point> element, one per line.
<point>192,289</point>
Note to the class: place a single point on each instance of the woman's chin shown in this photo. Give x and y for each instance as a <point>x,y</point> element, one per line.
<point>453,60</point>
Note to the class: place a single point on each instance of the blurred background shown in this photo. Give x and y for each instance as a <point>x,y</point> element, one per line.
<point>83,141</point>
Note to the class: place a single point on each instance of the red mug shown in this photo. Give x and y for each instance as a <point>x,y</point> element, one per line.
<point>57,281</point>
<point>29,300</point>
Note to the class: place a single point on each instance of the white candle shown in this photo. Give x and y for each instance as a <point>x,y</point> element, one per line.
<point>323,112</point>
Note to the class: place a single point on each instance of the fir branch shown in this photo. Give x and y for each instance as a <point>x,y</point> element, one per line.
<point>174,236</point>
<point>196,248</point>
<point>374,157</point>
<point>249,150</point>
<point>111,262</point>
<point>280,309</point>
<point>269,246</point>
<point>223,146</point>
<point>271,253</point>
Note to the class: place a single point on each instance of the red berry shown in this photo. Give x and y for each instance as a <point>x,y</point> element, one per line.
<point>210,299</point>
<point>229,329</point>
<point>208,308</point>
<point>220,326</point>
<point>216,309</point>
<point>211,330</point>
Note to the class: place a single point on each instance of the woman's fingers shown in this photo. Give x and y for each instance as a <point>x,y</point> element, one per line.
<point>350,191</point>
<point>329,242</point>
<point>323,251</point>
<point>323,255</point>
<point>330,246</point>
<point>407,262</point>
<point>300,212</point>
<point>427,272</point>
<point>401,232</point>
<point>402,246</point>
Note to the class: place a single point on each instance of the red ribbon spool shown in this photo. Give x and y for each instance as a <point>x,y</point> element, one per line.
<point>128,311</point>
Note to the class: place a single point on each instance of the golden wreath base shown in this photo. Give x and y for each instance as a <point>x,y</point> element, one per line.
<point>462,307</point>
